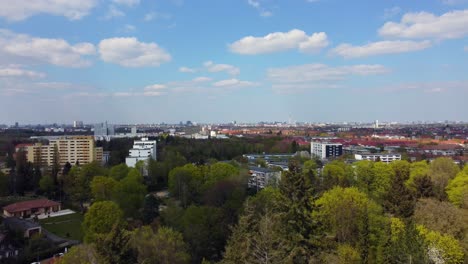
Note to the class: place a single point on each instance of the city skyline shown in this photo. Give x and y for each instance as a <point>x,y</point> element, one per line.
<point>139,61</point>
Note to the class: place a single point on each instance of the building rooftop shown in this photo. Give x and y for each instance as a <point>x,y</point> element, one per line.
<point>20,224</point>
<point>260,169</point>
<point>26,205</point>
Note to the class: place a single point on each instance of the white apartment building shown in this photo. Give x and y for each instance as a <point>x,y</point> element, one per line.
<point>324,150</point>
<point>387,158</point>
<point>142,150</point>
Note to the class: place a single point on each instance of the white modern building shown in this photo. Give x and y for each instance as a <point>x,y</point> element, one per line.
<point>324,150</point>
<point>387,158</point>
<point>142,150</point>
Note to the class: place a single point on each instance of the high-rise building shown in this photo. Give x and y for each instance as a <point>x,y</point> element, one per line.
<point>77,124</point>
<point>70,149</point>
<point>142,150</point>
<point>325,150</point>
<point>103,130</point>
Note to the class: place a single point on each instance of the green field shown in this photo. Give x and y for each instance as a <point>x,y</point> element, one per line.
<point>63,225</point>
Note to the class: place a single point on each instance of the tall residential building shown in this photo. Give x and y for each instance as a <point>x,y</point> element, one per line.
<point>103,130</point>
<point>142,150</point>
<point>77,124</point>
<point>70,149</point>
<point>324,150</point>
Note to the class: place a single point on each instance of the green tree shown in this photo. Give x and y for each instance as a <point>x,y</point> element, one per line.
<point>46,184</point>
<point>454,221</point>
<point>336,173</point>
<point>259,236</point>
<point>403,244</point>
<point>298,193</point>
<point>81,254</point>
<point>118,172</point>
<point>114,247</point>
<point>342,211</point>
<point>130,193</point>
<point>457,189</point>
<point>442,248</point>
<point>204,231</point>
<point>4,191</point>
<point>77,184</point>
<point>373,178</point>
<point>185,183</point>
<point>350,217</point>
<point>103,187</point>
<point>166,246</point>
<point>219,171</point>
<point>150,208</point>
<point>100,219</point>
<point>441,171</point>
<point>400,201</point>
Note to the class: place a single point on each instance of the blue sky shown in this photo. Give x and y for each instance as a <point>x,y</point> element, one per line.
<point>142,61</point>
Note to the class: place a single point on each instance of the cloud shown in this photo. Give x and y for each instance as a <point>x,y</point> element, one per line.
<point>391,12</point>
<point>156,15</point>
<point>257,5</point>
<point>15,72</point>
<point>428,87</point>
<point>379,48</point>
<point>453,2</point>
<point>230,69</point>
<point>280,41</point>
<point>202,79</point>
<point>187,70</point>
<point>129,52</point>
<point>112,12</point>
<point>311,76</point>
<point>234,83</point>
<point>17,10</point>
<point>128,28</point>
<point>25,49</point>
<point>451,25</point>
<point>127,2</point>
<point>154,90</point>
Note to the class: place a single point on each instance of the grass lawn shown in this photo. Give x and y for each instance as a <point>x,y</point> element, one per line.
<point>61,225</point>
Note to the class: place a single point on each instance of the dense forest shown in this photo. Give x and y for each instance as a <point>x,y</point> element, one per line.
<point>365,212</point>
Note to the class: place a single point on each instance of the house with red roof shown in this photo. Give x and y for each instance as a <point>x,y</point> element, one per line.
<point>31,208</point>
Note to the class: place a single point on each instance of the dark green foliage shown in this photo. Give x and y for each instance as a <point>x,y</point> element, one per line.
<point>400,201</point>
<point>150,208</point>
<point>115,248</point>
<point>204,231</point>
<point>298,196</point>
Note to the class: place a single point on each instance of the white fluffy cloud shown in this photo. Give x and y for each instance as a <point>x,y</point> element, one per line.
<point>317,75</point>
<point>230,69</point>
<point>112,12</point>
<point>233,83</point>
<point>379,48</point>
<point>280,41</point>
<point>187,69</point>
<point>127,2</point>
<point>18,72</point>
<point>24,49</point>
<point>130,52</point>
<point>17,10</point>
<point>450,25</point>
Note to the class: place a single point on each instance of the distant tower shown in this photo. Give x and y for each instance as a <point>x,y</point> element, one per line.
<point>376,125</point>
